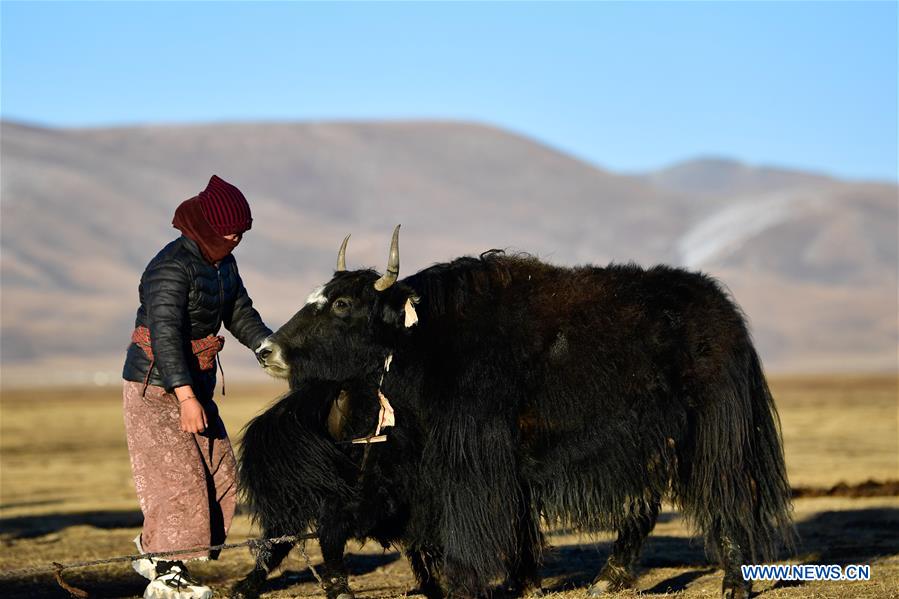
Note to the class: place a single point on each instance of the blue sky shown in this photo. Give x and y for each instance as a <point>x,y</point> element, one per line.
<point>628,86</point>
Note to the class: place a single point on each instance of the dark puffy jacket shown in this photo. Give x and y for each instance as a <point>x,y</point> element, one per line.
<point>183,297</point>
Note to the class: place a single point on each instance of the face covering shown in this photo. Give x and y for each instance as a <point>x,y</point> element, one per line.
<point>189,220</point>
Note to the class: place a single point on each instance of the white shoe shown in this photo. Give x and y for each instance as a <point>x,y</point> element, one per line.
<point>146,567</point>
<point>175,582</point>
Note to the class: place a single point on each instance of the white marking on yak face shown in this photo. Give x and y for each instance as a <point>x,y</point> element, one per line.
<point>271,359</point>
<point>317,297</point>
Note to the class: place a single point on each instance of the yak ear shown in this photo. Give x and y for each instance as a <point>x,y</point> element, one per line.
<point>410,316</point>
<point>400,311</point>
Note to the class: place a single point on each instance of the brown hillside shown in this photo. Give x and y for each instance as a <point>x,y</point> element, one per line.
<point>811,259</point>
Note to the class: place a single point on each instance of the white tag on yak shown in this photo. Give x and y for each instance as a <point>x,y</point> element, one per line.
<point>386,417</point>
<point>411,314</point>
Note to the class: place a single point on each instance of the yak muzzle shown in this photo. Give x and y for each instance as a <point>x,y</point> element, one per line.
<point>269,356</point>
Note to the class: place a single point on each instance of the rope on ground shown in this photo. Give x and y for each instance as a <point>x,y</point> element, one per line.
<point>309,564</point>
<point>57,568</point>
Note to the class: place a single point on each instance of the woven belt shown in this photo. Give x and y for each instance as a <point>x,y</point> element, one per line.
<point>206,350</point>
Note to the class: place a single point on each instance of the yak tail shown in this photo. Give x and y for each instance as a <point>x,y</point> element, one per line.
<point>732,480</point>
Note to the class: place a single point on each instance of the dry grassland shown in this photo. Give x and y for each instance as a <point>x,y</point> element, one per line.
<point>66,494</point>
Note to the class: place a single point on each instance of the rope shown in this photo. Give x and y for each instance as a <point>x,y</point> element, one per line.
<point>57,568</point>
<point>376,437</point>
<point>309,564</point>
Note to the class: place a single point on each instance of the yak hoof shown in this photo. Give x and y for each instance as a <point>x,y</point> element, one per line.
<point>611,579</point>
<point>431,591</point>
<point>736,591</point>
<point>337,586</point>
<point>531,590</point>
<point>603,586</point>
<point>246,589</point>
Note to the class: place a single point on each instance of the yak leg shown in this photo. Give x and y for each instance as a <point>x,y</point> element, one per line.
<point>461,582</point>
<point>425,562</point>
<point>525,578</point>
<point>268,557</point>
<point>618,573</point>
<point>733,586</point>
<point>332,537</point>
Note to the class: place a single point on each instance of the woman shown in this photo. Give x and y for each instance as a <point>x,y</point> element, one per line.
<point>181,457</point>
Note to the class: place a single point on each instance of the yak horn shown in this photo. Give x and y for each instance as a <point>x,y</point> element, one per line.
<point>393,263</point>
<point>341,255</point>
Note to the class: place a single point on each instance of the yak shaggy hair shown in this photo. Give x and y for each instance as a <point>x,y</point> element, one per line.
<point>528,394</point>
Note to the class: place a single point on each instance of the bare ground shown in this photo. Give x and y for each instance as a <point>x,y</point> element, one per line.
<point>66,495</point>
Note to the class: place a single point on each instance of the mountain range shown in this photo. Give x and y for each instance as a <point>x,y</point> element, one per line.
<point>811,259</point>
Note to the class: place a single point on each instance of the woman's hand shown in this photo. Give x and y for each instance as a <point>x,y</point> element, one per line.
<point>193,417</point>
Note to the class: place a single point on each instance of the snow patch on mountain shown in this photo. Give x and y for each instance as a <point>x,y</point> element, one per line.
<point>726,230</point>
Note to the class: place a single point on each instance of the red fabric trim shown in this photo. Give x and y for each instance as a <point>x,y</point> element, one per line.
<point>204,349</point>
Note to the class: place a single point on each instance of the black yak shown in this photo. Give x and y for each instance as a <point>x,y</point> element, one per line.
<point>525,395</point>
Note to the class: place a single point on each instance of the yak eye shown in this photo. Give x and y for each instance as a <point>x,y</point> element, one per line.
<point>341,306</point>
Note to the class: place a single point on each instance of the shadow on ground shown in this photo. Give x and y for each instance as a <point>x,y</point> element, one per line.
<point>116,584</point>
<point>357,565</point>
<point>27,527</point>
<point>575,566</point>
<point>846,537</point>
<point>121,583</point>
<point>835,537</point>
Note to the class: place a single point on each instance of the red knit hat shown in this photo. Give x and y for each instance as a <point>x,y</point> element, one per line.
<point>225,207</point>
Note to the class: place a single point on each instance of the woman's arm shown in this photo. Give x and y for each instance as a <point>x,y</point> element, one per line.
<point>166,286</point>
<point>244,321</point>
